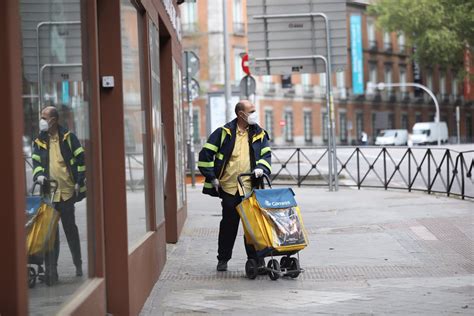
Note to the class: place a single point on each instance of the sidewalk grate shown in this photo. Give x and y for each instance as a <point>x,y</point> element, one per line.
<point>336,273</point>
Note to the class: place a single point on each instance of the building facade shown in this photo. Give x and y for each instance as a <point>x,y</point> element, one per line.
<point>293,108</point>
<point>112,69</point>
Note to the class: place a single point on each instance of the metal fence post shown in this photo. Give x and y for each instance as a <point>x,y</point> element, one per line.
<point>384,150</point>
<point>409,170</point>
<point>358,168</point>
<point>429,171</point>
<point>462,175</point>
<point>299,161</point>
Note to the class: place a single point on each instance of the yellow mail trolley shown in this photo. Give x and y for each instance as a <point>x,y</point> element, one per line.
<point>273,224</point>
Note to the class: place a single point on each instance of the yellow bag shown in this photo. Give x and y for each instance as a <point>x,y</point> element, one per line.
<point>41,235</point>
<point>272,221</point>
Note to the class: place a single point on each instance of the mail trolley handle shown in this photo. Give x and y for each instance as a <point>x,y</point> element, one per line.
<point>251,174</point>
<point>52,185</point>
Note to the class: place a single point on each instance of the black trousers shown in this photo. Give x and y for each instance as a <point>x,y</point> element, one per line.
<point>229,227</point>
<point>66,211</point>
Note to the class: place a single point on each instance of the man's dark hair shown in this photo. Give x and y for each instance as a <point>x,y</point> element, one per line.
<point>239,107</point>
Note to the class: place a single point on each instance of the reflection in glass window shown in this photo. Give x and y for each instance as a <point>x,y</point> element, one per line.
<point>134,123</point>
<point>158,137</point>
<point>56,150</point>
<point>180,146</point>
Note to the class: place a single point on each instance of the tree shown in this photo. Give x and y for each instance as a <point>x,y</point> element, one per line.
<point>439,29</point>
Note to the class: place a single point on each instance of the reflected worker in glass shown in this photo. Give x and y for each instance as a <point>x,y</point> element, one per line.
<point>58,155</point>
<point>240,146</point>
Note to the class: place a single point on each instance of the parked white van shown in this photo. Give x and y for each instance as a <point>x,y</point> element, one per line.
<point>394,137</point>
<point>427,133</point>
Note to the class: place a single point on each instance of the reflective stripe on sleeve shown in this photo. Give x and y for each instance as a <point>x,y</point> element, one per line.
<point>206,164</point>
<point>36,157</point>
<point>78,151</point>
<point>265,150</point>
<point>81,168</point>
<point>220,156</point>
<point>210,147</point>
<point>37,169</point>
<point>208,185</point>
<point>265,163</point>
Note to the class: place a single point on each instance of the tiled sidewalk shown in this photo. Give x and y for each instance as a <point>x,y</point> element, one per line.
<point>371,252</point>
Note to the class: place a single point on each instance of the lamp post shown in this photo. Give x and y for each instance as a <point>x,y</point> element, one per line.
<point>383,85</point>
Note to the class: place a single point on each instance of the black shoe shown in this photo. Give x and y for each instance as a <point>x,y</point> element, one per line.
<point>261,267</point>
<point>79,270</point>
<point>222,265</point>
<point>51,279</point>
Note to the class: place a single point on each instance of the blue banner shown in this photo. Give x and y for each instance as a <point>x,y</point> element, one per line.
<point>65,94</point>
<point>356,55</point>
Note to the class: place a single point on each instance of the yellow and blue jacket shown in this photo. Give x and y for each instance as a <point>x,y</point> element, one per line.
<point>73,155</point>
<point>217,151</point>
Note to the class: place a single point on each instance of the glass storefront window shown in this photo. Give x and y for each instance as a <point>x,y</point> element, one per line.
<point>54,90</point>
<point>134,123</point>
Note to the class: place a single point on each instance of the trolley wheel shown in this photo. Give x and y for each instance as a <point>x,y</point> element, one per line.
<point>273,265</point>
<point>251,269</point>
<point>294,266</point>
<point>284,262</point>
<point>31,277</point>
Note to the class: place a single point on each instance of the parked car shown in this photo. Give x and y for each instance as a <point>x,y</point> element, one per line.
<point>427,133</point>
<point>392,137</point>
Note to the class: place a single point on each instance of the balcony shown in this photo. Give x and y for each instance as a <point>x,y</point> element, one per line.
<point>269,89</point>
<point>387,47</point>
<point>239,28</point>
<point>372,45</point>
<point>308,91</point>
<point>402,49</point>
<point>405,96</point>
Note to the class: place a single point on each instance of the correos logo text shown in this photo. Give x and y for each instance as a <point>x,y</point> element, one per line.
<point>277,204</point>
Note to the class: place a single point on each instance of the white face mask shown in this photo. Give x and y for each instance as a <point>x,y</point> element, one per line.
<point>43,125</point>
<point>252,118</point>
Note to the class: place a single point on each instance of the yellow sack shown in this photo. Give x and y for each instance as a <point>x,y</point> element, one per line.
<point>41,235</point>
<point>272,221</point>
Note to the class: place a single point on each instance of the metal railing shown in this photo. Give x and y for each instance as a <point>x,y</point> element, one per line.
<point>433,170</point>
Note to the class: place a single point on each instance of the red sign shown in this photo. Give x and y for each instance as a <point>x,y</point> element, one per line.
<point>245,64</point>
<point>282,123</point>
